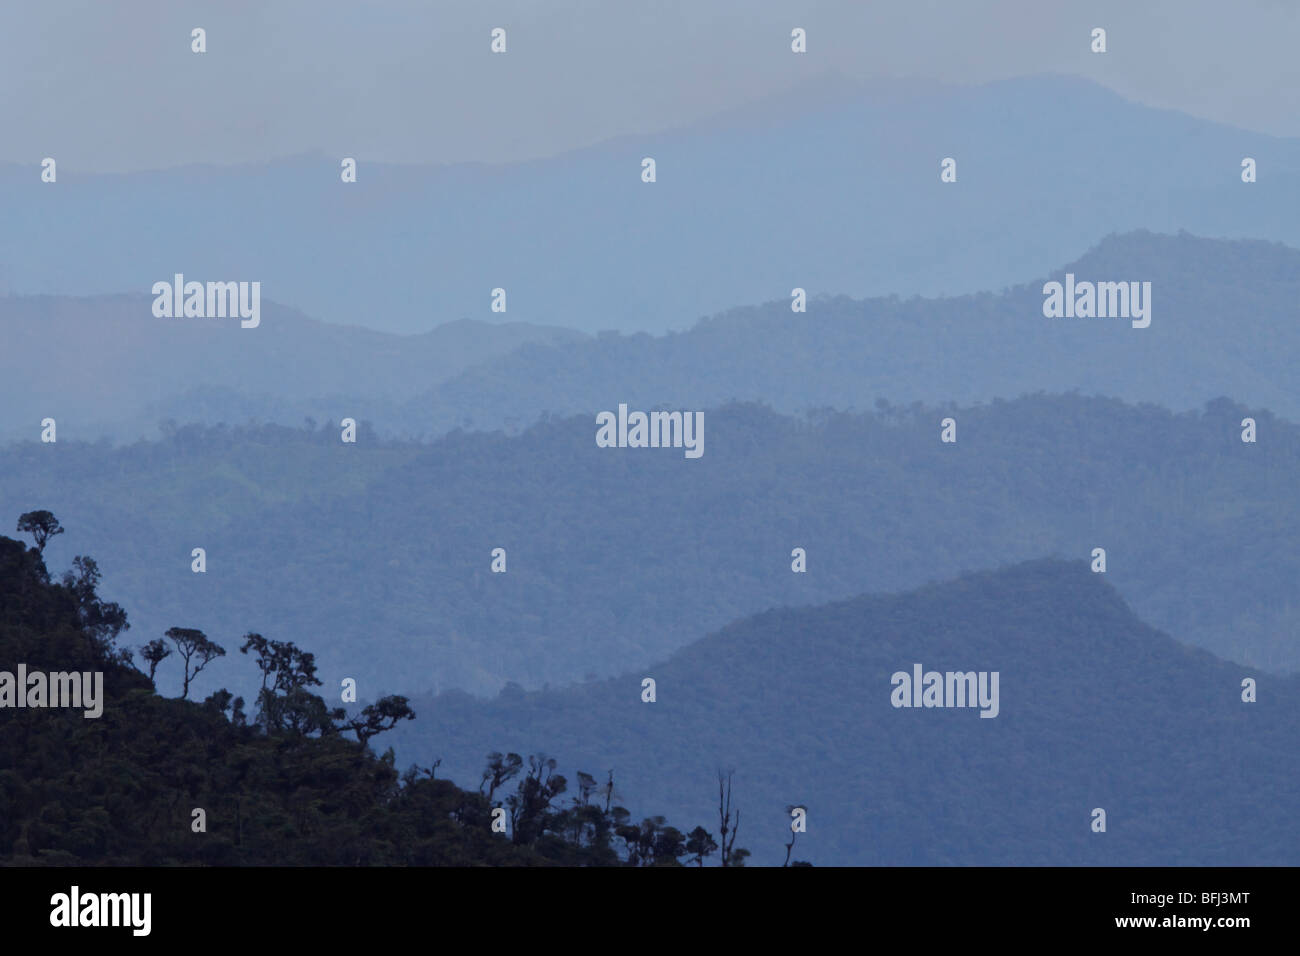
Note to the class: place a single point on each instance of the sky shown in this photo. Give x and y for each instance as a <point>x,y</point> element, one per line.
<point>114,87</point>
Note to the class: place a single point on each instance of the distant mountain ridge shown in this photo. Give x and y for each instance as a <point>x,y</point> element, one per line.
<point>106,366</point>
<point>382,552</point>
<point>831,187</point>
<point>1097,710</point>
<point>1221,325</point>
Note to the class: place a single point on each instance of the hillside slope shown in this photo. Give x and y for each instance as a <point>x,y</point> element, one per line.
<point>382,552</point>
<point>1221,324</point>
<point>1096,709</point>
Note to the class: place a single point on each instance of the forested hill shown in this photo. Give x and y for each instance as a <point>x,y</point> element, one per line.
<point>131,370</point>
<point>1221,324</point>
<point>382,552</point>
<point>1096,710</point>
<point>280,784</point>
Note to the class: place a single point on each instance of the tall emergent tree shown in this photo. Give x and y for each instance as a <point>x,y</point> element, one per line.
<point>41,525</point>
<point>731,854</point>
<point>154,653</point>
<point>284,704</point>
<point>380,716</point>
<point>195,649</point>
<point>102,620</point>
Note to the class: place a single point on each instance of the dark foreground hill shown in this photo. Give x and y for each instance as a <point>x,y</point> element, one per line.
<point>133,778</point>
<point>1096,710</point>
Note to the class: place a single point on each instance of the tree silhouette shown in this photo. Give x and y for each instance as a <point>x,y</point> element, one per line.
<point>304,801</point>
<point>530,804</point>
<point>154,653</point>
<point>196,652</point>
<point>284,703</point>
<point>380,716</point>
<point>586,787</point>
<point>699,844</point>
<point>101,620</point>
<point>794,834</point>
<point>283,665</point>
<point>728,824</point>
<point>499,769</point>
<point>41,525</point>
